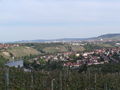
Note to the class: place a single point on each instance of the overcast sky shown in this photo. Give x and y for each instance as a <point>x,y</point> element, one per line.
<point>49,19</point>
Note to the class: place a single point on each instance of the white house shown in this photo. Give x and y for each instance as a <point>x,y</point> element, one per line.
<point>18,63</point>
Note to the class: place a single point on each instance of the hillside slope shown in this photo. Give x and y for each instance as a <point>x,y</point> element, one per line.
<point>19,52</point>
<point>109,37</point>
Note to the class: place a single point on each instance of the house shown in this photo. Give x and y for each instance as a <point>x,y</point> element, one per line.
<point>18,63</point>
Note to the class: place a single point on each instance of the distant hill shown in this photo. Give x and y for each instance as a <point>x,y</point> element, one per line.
<point>109,37</point>
<point>105,36</point>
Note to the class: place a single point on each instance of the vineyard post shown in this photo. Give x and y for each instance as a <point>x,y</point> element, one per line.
<point>52,84</point>
<point>60,80</point>
<point>7,78</point>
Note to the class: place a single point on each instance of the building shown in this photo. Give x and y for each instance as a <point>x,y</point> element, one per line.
<point>18,63</point>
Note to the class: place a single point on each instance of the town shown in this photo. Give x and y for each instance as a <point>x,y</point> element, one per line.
<point>74,59</point>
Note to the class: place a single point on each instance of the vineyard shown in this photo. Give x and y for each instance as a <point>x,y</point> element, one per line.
<point>17,79</point>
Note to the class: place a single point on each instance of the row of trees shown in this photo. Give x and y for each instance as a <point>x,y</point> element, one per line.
<point>93,78</point>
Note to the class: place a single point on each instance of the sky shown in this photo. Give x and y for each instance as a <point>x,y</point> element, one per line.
<point>53,19</point>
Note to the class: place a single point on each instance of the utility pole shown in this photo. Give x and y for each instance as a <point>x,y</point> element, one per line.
<point>52,84</point>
